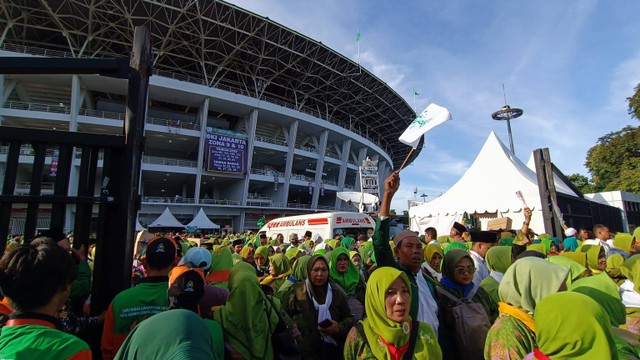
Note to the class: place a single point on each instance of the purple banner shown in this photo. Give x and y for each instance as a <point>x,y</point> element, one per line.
<point>226,153</point>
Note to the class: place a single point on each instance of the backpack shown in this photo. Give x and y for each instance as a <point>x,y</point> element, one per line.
<point>468,323</point>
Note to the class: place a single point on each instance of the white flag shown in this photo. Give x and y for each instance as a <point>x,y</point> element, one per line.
<point>431,117</point>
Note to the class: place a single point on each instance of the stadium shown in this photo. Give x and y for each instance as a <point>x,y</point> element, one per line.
<point>246,118</point>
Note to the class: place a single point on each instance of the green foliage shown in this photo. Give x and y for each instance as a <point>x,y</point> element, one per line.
<point>614,162</point>
<point>634,103</point>
<point>582,183</point>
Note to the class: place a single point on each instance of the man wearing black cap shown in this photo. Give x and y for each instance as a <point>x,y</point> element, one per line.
<point>456,232</point>
<point>408,250</point>
<point>237,244</point>
<point>133,305</point>
<point>482,242</point>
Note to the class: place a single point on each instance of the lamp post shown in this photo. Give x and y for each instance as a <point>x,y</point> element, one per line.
<point>424,197</point>
<point>507,113</point>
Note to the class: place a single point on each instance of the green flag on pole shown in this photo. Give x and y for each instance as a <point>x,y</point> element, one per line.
<point>358,36</point>
<point>415,92</point>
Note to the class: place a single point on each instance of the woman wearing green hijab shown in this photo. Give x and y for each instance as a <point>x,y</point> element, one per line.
<point>388,300</point>
<point>433,256</point>
<point>347,243</point>
<point>279,270</point>
<point>630,293</point>
<point>247,319</point>
<point>344,273</point>
<point>298,273</point>
<point>605,292</point>
<point>261,260</point>
<point>498,260</point>
<point>576,271</point>
<point>221,263</point>
<point>524,285</point>
<point>320,310</point>
<point>624,242</point>
<point>457,279</point>
<point>596,257</point>
<point>541,248</point>
<point>572,326</point>
<point>366,251</point>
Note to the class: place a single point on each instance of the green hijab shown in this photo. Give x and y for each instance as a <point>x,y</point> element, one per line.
<point>592,251</point>
<point>235,259</point>
<point>605,292</point>
<point>189,338</point>
<point>280,263</point>
<point>631,270</point>
<point>221,263</point>
<point>365,251</point>
<point>264,252</point>
<point>541,248</point>
<point>451,259</point>
<point>347,243</point>
<point>292,252</point>
<point>576,270</point>
<point>623,242</point>
<point>299,272</point>
<point>455,245</point>
<point>580,258</point>
<point>432,249</point>
<point>614,262</point>
<point>506,241</point>
<point>243,318</point>
<point>570,325</point>
<point>529,280</point>
<point>350,279</point>
<point>377,324</point>
<point>498,258</point>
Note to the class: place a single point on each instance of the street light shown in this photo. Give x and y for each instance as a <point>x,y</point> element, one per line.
<point>424,197</point>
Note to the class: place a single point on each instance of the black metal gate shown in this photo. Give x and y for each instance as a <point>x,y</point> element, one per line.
<point>117,201</point>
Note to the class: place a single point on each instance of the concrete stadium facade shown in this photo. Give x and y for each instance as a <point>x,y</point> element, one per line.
<point>306,115</point>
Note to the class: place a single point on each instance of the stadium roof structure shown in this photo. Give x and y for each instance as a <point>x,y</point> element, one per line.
<point>220,45</point>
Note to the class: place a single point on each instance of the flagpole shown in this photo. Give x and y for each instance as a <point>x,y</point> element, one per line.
<point>406,159</point>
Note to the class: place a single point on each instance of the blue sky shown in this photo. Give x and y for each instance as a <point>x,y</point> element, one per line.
<point>570,65</point>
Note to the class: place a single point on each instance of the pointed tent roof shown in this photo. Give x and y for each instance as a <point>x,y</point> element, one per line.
<point>201,221</point>
<point>166,220</point>
<point>489,185</point>
<point>139,226</point>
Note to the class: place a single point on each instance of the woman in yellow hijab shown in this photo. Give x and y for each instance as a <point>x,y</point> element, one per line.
<point>386,332</point>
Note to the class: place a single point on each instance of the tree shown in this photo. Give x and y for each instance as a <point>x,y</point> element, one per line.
<point>634,103</point>
<point>614,162</point>
<point>582,183</point>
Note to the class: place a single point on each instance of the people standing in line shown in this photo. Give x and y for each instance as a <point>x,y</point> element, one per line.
<point>408,251</point>
<point>36,280</point>
<point>386,332</point>
<point>133,305</point>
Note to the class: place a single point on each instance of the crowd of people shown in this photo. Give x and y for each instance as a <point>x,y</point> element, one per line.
<point>465,295</point>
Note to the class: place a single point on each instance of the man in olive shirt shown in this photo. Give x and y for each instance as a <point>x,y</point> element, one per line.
<point>408,250</point>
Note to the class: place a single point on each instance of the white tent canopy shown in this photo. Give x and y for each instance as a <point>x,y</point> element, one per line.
<point>139,226</point>
<point>201,221</point>
<point>166,220</point>
<point>488,187</point>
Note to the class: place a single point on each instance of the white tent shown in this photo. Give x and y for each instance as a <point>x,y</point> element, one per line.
<point>139,226</point>
<point>560,185</point>
<point>166,220</point>
<point>487,189</point>
<point>201,221</point>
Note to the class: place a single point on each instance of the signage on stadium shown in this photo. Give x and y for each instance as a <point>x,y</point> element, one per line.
<point>226,151</point>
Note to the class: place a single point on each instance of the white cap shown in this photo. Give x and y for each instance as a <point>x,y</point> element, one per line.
<point>570,232</point>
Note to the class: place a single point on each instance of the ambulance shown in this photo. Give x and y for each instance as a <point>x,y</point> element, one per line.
<point>327,225</point>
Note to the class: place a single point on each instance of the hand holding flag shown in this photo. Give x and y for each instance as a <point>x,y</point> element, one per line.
<point>431,117</point>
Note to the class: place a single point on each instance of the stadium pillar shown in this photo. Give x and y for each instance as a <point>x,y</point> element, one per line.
<point>203,116</point>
